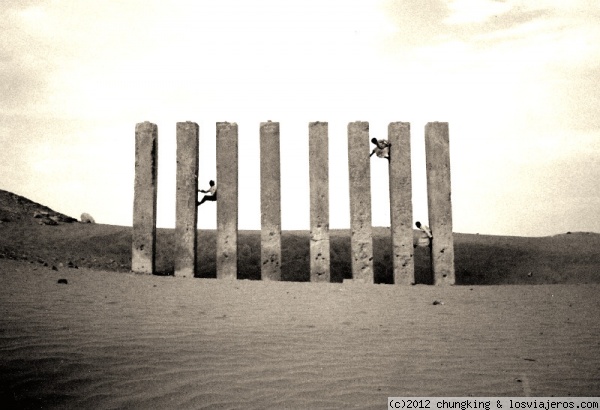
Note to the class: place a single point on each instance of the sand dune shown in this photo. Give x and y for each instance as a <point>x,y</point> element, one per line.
<point>479,259</point>
<point>115,340</point>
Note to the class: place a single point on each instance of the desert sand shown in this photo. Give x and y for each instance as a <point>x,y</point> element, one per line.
<point>121,340</point>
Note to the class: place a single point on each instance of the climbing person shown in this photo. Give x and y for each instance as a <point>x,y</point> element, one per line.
<point>426,236</point>
<point>212,193</point>
<point>382,148</point>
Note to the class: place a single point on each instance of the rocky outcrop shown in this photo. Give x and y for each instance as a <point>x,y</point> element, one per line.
<point>15,208</point>
<point>87,218</point>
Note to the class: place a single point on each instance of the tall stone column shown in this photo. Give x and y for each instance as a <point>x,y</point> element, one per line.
<point>143,252</point>
<point>227,202</point>
<point>270,201</point>
<point>401,212</point>
<point>437,150</point>
<point>186,211</point>
<point>360,201</point>
<point>319,202</point>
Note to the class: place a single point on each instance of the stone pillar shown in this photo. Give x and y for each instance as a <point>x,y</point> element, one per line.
<point>437,150</point>
<point>359,165</point>
<point>319,202</point>
<point>143,252</point>
<point>270,201</point>
<point>227,202</point>
<point>186,211</point>
<point>401,203</point>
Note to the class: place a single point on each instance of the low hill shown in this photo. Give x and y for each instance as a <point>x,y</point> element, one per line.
<point>25,234</point>
<point>479,259</point>
<point>15,208</point>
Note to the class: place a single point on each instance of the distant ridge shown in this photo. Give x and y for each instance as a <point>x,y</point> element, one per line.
<point>16,208</point>
<point>568,258</point>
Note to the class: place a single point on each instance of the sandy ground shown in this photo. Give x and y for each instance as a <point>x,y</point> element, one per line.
<point>115,340</point>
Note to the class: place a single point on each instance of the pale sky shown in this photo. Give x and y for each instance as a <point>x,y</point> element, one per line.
<point>518,81</point>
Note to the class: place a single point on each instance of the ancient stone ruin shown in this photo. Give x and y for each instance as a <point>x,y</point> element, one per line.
<point>400,185</point>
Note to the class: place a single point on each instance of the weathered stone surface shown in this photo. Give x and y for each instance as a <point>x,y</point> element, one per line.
<point>186,211</point>
<point>360,201</point>
<point>437,150</point>
<point>143,255</point>
<point>319,202</point>
<point>227,204</point>
<point>270,201</point>
<point>401,212</point>
<point>87,218</point>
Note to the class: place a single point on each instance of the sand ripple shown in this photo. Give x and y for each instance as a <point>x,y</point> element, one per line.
<point>109,340</point>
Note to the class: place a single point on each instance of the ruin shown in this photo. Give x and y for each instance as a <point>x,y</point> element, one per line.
<point>400,186</point>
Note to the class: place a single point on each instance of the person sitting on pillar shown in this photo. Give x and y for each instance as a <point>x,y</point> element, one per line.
<point>212,193</point>
<point>426,236</point>
<point>382,148</point>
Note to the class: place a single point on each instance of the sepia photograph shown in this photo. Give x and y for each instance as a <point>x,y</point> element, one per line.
<point>260,204</point>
